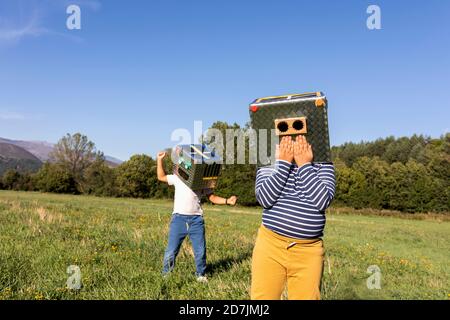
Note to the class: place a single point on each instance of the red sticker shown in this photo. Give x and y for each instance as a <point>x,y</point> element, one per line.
<point>254,108</point>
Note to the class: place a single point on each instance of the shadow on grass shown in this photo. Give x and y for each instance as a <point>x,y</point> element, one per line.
<point>223,265</point>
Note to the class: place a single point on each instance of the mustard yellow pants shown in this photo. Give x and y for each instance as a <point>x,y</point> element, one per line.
<point>279,260</point>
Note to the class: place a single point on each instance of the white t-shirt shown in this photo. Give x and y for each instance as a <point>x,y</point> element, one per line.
<point>186,201</point>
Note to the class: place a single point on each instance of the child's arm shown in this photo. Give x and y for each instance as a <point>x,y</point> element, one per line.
<point>219,200</point>
<point>318,187</point>
<point>160,168</point>
<point>270,182</point>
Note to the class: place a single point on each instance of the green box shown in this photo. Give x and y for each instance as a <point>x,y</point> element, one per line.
<point>294,114</point>
<point>197,166</point>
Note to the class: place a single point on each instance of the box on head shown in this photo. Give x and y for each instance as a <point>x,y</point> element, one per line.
<point>196,165</point>
<point>294,114</point>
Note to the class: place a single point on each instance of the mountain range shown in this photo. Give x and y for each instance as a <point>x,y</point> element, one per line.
<point>30,155</point>
<point>15,157</point>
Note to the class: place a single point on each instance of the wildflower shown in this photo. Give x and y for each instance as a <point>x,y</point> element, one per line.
<point>39,296</point>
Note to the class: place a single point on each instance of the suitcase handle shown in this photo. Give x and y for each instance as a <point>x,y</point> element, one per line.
<point>199,152</point>
<point>290,96</point>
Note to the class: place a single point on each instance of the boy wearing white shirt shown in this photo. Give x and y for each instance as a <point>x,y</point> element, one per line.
<point>187,220</point>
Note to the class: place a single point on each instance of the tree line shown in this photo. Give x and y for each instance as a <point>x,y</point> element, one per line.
<point>76,167</point>
<point>409,174</point>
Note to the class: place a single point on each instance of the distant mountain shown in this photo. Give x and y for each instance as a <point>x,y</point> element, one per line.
<point>15,157</point>
<point>42,150</point>
<point>112,162</point>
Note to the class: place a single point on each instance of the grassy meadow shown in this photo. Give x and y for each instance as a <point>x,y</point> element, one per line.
<point>119,243</point>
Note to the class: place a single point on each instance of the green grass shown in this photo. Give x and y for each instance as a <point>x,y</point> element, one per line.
<point>119,243</point>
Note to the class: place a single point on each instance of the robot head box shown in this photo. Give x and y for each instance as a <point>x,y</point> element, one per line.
<point>295,114</point>
<point>197,166</point>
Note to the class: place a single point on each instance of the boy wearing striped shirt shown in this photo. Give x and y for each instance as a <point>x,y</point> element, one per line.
<point>294,194</point>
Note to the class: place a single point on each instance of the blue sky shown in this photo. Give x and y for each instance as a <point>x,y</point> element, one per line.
<point>137,70</point>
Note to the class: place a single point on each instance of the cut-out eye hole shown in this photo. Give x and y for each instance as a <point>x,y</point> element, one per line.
<point>290,126</point>
<point>283,126</point>
<point>298,125</point>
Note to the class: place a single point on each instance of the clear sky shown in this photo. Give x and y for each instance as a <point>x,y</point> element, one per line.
<point>139,69</point>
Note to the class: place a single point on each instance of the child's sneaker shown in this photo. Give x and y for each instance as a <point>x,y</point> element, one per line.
<point>202,279</point>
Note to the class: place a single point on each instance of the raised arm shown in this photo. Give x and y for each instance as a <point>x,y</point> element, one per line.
<point>270,181</point>
<point>160,168</point>
<point>318,186</point>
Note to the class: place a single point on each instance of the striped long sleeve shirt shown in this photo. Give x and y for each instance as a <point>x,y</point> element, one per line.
<point>295,198</point>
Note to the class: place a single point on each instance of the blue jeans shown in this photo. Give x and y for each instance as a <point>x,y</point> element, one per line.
<point>180,227</point>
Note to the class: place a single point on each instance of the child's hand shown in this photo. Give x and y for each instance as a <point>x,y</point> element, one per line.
<point>232,200</point>
<point>302,151</point>
<point>286,149</point>
<point>161,155</point>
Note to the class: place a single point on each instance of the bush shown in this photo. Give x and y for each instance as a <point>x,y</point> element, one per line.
<point>11,180</point>
<point>55,178</point>
<point>14,180</point>
<point>99,180</point>
<point>238,180</point>
<point>137,177</point>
